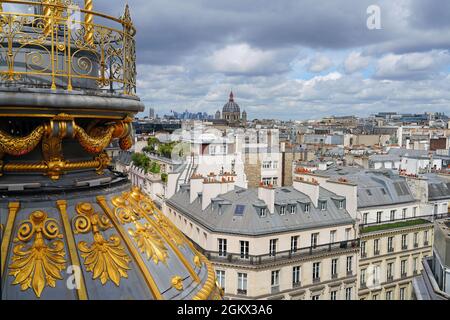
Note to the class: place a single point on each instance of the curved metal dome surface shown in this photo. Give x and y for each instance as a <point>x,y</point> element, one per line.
<point>231,106</point>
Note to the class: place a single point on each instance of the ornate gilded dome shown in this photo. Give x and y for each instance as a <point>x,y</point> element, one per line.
<point>231,106</point>
<point>70,228</point>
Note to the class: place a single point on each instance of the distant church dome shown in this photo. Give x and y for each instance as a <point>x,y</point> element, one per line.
<point>231,106</point>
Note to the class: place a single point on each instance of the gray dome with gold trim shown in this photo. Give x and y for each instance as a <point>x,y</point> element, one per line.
<point>70,227</point>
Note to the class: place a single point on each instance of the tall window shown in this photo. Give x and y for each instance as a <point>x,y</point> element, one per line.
<point>348,293</point>
<point>414,211</point>
<point>222,247</point>
<point>220,274</point>
<point>244,249</point>
<point>404,211</point>
<point>307,207</point>
<point>263,212</point>
<point>292,209</point>
<point>404,241</point>
<point>349,265</point>
<point>379,213</point>
<point>415,265</point>
<point>390,244</point>
<point>333,295</point>
<point>242,283</point>
<point>341,204</point>
<point>334,268</point>
<point>390,271</point>
<point>348,232</point>
<point>315,297</point>
<point>376,247</point>
<point>296,276</point>
<point>362,278</point>
<point>273,247</point>
<point>294,244</point>
<point>275,279</point>
<point>402,293</point>
<point>323,205</point>
<point>425,238</point>
<point>365,218</point>
<point>282,210</point>
<point>376,275</point>
<point>416,239</point>
<point>403,268</point>
<point>332,236</point>
<point>314,240</point>
<point>363,249</point>
<point>393,215</point>
<point>389,295</point>
<point>316,271</point>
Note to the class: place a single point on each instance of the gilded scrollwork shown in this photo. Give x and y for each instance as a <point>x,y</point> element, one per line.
<point>106,259</point>
<point>39,264</point>
<point>19,146</point>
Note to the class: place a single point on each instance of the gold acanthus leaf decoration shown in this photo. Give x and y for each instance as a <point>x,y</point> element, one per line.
<point>106,259</point>
<point>149,242</point>
<point>40,264</point>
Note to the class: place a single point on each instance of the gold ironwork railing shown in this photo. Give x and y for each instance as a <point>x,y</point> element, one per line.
<point>49,45</point>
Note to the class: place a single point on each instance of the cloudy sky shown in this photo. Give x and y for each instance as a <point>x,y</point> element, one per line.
<point>292,59</point>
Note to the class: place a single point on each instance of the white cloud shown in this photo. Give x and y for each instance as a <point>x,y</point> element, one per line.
<point>319,63</point>
<point>355,62</point>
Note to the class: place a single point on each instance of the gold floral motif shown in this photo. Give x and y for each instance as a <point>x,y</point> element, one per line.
<point>197,262</point>
<point>177,283</point>
<point>149,242</point>
<point>40,264</point>
<point>106,259</point>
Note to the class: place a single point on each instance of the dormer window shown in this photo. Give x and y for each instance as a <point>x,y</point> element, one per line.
<point>292,209</point>
<point>323,205</point>
<point>341,204</point>
<point>282,210</point>
<point>263,212</point>
<point>307,207</point>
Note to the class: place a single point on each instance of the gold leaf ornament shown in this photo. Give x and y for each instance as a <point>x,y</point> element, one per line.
<point>40,264</point>
<point>106,259</point>
<point>149,242</point>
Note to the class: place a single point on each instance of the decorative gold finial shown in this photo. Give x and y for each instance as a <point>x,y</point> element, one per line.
<point>88,22</point>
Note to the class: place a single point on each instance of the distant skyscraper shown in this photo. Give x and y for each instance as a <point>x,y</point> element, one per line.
<point>151,113</point>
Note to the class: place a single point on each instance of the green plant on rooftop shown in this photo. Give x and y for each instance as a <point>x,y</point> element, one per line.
<point>395,225</point>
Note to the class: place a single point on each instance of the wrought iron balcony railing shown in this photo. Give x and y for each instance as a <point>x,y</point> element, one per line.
<point>48,45</point>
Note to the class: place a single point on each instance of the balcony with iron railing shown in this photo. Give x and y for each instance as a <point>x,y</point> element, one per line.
<point>236,258</point>
<point>58,45</point>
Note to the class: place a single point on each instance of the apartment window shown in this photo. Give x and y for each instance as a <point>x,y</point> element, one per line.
<point>403,268</point>
<point>425,238</point>
<point>314,240</point>
<point>323,205</point>
<point>362,278</point>
<point>273,247</point>
<point>393,215</point>
<point>242,283</point>
<point>316,271</point>
<point>389,295</point>
<point>390,247</point>
<point>266,181</point>
<point>376,275</point>
<point>375,297</point>
<point>282,210</point>
<point>404,211</point>
<point>416,239</point>
<point>275,280</point>
<point>402,293</point>
<point>294,244</point>
<point>222,247</point>
<point>341,204</point>
<point>275,165</point>
<point>363,249</point>
<point>296,273</point>
<point>334,268</point>
<point>404,241</point>
<point>267,164</point>
<point>315,297</point>
<point>292,209</point>
<point>390,271</point>
<point>220,275</point>
<point>348,232</point>
<point>415,260</point>
<point>379,213</point>
<point>244,249</point>
<point>349,265</point>
<point>307,207</point>
<point>365,218</point>
<point>333,295</point>
<point>332,236</point>
<point>263,212</point>
<point>376,247</point>
<point>414,211</point>
<point>348,293</point>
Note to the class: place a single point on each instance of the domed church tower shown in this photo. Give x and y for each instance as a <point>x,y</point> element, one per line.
<point>70,228</point>
<point>231,111</point>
